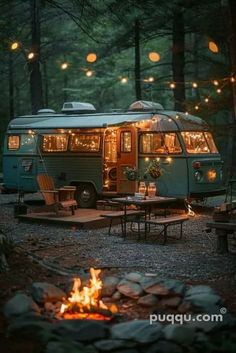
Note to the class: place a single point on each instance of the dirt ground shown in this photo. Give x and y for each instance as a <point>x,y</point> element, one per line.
<point>23,272</point>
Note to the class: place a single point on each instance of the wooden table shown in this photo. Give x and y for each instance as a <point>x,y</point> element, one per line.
<point>222,229</point>
<point>145,204</point>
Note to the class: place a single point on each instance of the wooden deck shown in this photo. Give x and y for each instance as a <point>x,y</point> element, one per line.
<point>83,218</point>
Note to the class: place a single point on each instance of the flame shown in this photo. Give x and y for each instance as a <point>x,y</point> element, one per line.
<point>83,302</point>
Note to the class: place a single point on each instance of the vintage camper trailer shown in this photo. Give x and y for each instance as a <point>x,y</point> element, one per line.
<point>93,150</point>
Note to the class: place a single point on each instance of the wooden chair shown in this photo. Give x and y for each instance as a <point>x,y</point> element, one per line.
<point>63,197</point>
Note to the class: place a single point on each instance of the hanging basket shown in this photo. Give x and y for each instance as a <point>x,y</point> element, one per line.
<point>155,174</point>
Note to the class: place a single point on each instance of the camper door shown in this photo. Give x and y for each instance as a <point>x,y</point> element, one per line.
<point>126,157</point>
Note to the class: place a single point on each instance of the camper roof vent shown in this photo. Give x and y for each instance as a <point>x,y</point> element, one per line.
<point>145,105</point>
<point>77,108</point>
<point>45,111</point>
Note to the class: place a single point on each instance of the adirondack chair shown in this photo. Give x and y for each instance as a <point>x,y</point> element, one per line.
<point>59,198</point>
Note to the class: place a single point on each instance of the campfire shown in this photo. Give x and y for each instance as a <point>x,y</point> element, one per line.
<point>85,302</point>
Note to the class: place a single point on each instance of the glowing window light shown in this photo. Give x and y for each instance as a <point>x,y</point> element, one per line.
<point>172,85</point>
<point>124,80</point>
<point>154,56</point>
<point>218,90</point>
<point>215,83</point>
<point>14,46</point>
<point>64,66</point>
<point>89,73</point>
<point>31,55</point>
<point>195,85</point>
<point>213,47</point>
<point>91,57</point>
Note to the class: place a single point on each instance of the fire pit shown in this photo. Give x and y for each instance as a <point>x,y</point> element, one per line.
<point>85,302</point>
<point>83,319</point>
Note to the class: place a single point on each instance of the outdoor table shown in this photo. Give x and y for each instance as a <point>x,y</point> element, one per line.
<point>145,204</point>
<point>222,229</point>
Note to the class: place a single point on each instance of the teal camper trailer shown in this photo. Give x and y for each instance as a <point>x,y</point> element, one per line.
<point>93,150</point>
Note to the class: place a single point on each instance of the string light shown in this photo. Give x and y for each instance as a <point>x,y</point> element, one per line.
<point>216,83</point>
<point>219,90</point>
<point>89,73</point>
<point>213,47</point>
<point>232,79</point>
<point>64,66</point>
<point>154,56</point>
<point>206,99</point>
<point>172,85</point>
<point>91,57</point>
<point>195,85</point>
<point>14,46</point>
<point>124,80</point>
<point>31,55</point>
<point>196,107</point>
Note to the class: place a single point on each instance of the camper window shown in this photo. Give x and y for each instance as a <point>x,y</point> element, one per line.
<point>55,143</point>
<point>159,143</point>
<point>85,143</point>
<point>13,142</point>
<point>199,142</point>
<point>125,141</point>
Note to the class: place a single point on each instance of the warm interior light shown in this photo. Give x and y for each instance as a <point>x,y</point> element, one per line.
<point>213,47</point>
<point>211,175</point>
<point>91,57</point>
<point>154,56</point>
<point>31,55</point>
<point>14,46</point>
<point>64,66</point>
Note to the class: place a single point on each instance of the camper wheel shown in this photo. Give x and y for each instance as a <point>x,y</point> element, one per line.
<point>86,196</point>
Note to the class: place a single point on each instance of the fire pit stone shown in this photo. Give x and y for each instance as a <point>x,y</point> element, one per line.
<point>148,300</point>
<point>45,292</point>
<point>19,305</point>
<point>159,286</point>
<point>130,289</point>
<point>109,286</point>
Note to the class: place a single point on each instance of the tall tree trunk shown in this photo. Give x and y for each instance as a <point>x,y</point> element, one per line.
<point>36,91</point>
<point>178,60</point>
<point>45,78</point>
<point>137,74</point>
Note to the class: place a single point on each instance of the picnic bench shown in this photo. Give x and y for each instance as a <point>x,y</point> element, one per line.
<point>222,229</point>
<point>122,216</point>
<point>166,222</point>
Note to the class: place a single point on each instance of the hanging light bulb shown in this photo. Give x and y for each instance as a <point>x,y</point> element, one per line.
<point>194,84</point>
<point>213,47</point>
<point>91,57</point>
<point>216,83</point>
<point>172,85</point>
<point>124,80</point>
<point>232,79</point>
<point>64,66</point>
<point>218,90</point>
<point>150,79</point>
<point>206,99</point>
<point>154,56</point>
<point>89,73</point>
<point>31,55</point>
<point>196,107</point>
<point>14,45</point>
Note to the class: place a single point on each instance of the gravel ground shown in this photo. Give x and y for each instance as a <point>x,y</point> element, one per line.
<point>194,257</point>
